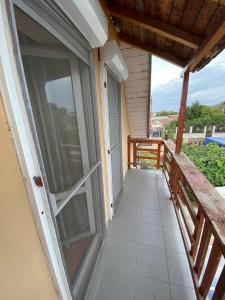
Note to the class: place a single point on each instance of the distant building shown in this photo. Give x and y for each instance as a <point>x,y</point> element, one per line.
<point>159,124</point>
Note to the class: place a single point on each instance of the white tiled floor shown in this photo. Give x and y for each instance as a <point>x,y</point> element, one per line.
<point>143,257</point>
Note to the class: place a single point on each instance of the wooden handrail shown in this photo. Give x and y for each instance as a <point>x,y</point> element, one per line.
<point>144,145</point>
<point>200,212</point>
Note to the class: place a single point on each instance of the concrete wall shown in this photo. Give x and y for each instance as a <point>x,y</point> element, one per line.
<point>24,271</point>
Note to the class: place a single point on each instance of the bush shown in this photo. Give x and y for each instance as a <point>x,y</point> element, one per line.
<point>210,159</point>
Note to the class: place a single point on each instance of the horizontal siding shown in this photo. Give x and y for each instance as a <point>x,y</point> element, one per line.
<point>137,89</point>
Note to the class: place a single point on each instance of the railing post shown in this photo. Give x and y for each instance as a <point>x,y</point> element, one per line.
<point>128,151</point>
<point>181,118</point>
<point>134,154</point>
<point>158,156</point>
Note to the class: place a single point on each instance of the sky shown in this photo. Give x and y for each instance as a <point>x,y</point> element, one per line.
<point>163,72</point>
<point>205,86</point>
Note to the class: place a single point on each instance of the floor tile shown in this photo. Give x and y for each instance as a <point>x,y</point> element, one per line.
<point>173,240</point>
<point>169,220</point>
<point>130,212</point>
<point>163,189</point>
<point>166,205</point>
<point>140,200</point>
<point>150,201</point>
<point>124,229</point>
<point>151,235</point>
<point>151,289</point>
<point>120,253</point>
<point>179,271</point>
<point>183,293</point>
<point>150,216</point>
<point>151,262</point>
<point>143,254</point>
<point>115,284</point>
<point>131,199</point>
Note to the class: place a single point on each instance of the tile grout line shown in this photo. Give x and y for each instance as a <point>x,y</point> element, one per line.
<point>165,248</point>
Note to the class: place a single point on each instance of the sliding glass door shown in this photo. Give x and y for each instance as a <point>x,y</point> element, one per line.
<point>55,81</point>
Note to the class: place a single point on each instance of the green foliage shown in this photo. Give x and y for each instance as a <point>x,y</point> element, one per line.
<point>166,113</point>
<point>170,129</point>
<point>199,115</point>
<point>194,111</point>
<point>210,159</point>
<point>202,115</point>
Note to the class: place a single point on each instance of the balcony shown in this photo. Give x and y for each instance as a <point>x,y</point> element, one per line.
<point>158,246</point>
<point>143,256</point>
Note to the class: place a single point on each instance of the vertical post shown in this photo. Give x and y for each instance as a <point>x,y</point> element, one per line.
<point>128,151</point>
<point>149,120</point>
<point>134,154</point>
<point>158,155</point>
<point>181,118</point>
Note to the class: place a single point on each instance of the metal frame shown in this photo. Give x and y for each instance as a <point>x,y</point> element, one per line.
<point>105,111</point>
<point>66,32</point>
<point>110,73</point>
<point>15,96</point>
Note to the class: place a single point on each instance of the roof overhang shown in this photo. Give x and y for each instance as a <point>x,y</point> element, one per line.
<point>188,35</point>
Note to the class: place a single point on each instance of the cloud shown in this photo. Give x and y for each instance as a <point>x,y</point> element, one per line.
<point>205,86</point>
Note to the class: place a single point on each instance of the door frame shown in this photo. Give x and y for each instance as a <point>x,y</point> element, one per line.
<point>105,112</point>
<point>77,93</point>
<point>111,75</point>
<point>14,101</point>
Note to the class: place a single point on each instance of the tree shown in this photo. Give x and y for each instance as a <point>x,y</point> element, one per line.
<point>199,115</point>
<point>194,111</point>
<point>166,113</point>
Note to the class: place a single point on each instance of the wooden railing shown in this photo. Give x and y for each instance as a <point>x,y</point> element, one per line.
<point>143,150</point>
<point>200,212</point>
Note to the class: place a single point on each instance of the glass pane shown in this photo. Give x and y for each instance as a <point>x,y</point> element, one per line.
<point>48,75</point>
<point>74,230</point>
<point>52,100</point>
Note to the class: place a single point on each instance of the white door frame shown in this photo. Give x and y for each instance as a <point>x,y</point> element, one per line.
<point>27,153</point>
<point>22,137</point>
<point>105,111</point>
<point>77,95</point>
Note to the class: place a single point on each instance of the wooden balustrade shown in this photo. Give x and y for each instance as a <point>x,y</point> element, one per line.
<point>138,147</point>
<point>200,212</point>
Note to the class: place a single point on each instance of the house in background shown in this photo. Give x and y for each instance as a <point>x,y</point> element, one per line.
<point>159,123</point>
<point>79,220</point>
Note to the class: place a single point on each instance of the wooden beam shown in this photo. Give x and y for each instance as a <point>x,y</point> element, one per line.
<point>221,2</point>
<point>181,118</point>
<point>152,50</point>
<point>155,26</point>
<point>206,49</point>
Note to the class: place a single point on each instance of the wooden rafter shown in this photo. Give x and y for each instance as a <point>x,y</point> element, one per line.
<point>152,50</point>
<point>207,48</point>
<point>221,2</point>
<point>155,26</point>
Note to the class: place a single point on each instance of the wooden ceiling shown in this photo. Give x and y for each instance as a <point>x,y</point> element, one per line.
<point>188,33</point>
